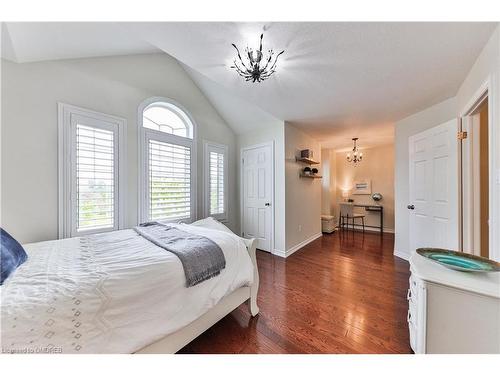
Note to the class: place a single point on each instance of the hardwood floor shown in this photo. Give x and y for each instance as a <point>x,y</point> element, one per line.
<point>343,293</point>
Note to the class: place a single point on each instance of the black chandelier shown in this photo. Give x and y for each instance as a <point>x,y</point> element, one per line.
<point>356,155</point>
<point>252,69</point>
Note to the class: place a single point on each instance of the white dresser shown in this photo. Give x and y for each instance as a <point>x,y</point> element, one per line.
<point>451,311</point>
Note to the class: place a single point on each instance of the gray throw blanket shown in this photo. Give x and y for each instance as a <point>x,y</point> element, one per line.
<point>201,257</point>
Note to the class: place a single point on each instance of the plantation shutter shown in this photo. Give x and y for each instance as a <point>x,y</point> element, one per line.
<point>95,178</point>
<point>216,183</point>
<point>169,180</point>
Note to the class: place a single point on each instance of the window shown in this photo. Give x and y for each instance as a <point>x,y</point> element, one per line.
<point>167,183</point>
<point>215,180</point>
<point>95,178</point>
<point>164,119</point>
<point>90,145</point>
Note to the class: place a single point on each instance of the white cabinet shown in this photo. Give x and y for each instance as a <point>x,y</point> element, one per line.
<point>416,314</point>
<point>452,311</point>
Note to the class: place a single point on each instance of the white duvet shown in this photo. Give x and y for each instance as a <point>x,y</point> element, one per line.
<point>109,293</point>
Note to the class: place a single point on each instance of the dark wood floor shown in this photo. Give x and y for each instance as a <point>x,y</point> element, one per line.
<point>343,293</point>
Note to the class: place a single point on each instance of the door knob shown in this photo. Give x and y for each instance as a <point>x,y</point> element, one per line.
<point>268,204</point>
<point>411,207</point>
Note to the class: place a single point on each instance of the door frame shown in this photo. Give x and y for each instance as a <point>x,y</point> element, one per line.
<point>242,196</point>
<point>484,92</point>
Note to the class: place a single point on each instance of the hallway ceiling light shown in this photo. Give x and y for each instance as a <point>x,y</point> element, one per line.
<point>356,156</point>
<point>252,70</point>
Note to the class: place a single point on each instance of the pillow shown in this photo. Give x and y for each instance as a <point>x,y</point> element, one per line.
<point>13,255</point>
<point>211,223</point>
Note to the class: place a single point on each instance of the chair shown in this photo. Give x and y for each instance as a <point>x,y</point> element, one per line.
<point>347,213</point>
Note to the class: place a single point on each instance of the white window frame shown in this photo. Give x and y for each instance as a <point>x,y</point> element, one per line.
<point>222,149</point>
<point>67,114</point>
<point>144,136</point>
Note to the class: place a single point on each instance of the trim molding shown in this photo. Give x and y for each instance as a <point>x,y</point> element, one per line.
<point>490,88</point>
<point>300,245</point>
<point>280,253</point>
<point>369,229</point>
<point>402,255</point>
<point>65,172</point>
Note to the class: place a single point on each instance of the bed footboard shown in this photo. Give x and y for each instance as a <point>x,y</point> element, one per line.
<point>175,341</point>
<point>254,288</point>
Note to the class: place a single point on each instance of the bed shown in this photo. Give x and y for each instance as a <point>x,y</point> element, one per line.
<point>117,292</point>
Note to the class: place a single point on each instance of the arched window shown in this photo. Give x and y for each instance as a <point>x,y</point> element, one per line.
<point>167,162</point>
<point>167,118</point>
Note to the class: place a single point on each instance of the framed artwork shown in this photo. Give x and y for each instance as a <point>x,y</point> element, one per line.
<point>362,187</point>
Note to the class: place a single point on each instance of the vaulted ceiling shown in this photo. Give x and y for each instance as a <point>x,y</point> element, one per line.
<point>335,80</point>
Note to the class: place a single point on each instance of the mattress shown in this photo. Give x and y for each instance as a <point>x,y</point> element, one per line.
<point>109,293</point>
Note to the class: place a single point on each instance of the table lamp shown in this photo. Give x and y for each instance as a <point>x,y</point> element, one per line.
<point>345,194</point>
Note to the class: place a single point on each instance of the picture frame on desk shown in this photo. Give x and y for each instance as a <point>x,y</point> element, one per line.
<point>362,187</point>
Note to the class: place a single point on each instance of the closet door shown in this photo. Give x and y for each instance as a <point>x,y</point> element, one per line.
<point>257,193</point>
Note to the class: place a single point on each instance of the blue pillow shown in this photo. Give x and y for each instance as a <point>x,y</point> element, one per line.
<point>13,255</point>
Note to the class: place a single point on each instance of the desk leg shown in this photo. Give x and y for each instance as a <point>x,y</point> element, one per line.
<point>381,220</point>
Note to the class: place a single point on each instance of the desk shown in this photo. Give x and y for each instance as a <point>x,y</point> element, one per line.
<point>374,208</point>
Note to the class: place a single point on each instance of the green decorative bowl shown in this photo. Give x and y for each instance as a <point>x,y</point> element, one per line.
<point>460,261</point>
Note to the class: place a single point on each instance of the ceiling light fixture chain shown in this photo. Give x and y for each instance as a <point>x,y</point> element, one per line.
<point>356,156</point>
<point>252,69</point>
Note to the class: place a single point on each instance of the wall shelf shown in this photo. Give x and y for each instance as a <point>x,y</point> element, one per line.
<point>306,160</point>
<point>310,175</point>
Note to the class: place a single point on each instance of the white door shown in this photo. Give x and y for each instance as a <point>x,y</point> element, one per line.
<point>434,198</point>
<point>257,192</point>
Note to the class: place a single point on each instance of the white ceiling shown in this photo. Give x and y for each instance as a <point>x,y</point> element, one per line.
<point>38,41</point>
<point>335,80</point>
<point>239,113</point>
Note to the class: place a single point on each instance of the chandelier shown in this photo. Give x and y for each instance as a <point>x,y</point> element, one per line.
<point>257,67</point>
<point>356,156</point>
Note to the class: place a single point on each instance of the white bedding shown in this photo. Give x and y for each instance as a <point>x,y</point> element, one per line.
<point>109,293</point>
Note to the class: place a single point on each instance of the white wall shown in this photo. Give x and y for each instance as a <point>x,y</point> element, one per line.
<point>487,66</point>
<point>327,173</point>
<point>273,131</point>
<point>113,85</point>
<point>303,195</point>
<point>329,182</point>
<point>296,201</point>
<point>333,182</point>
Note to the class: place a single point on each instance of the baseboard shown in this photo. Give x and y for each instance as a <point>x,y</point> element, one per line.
<point>360,227</point>
<point>402,255</point>
<point>300,245</point>
<point>280,253</point>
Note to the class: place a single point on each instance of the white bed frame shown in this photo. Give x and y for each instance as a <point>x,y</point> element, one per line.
<point>177,340</point>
